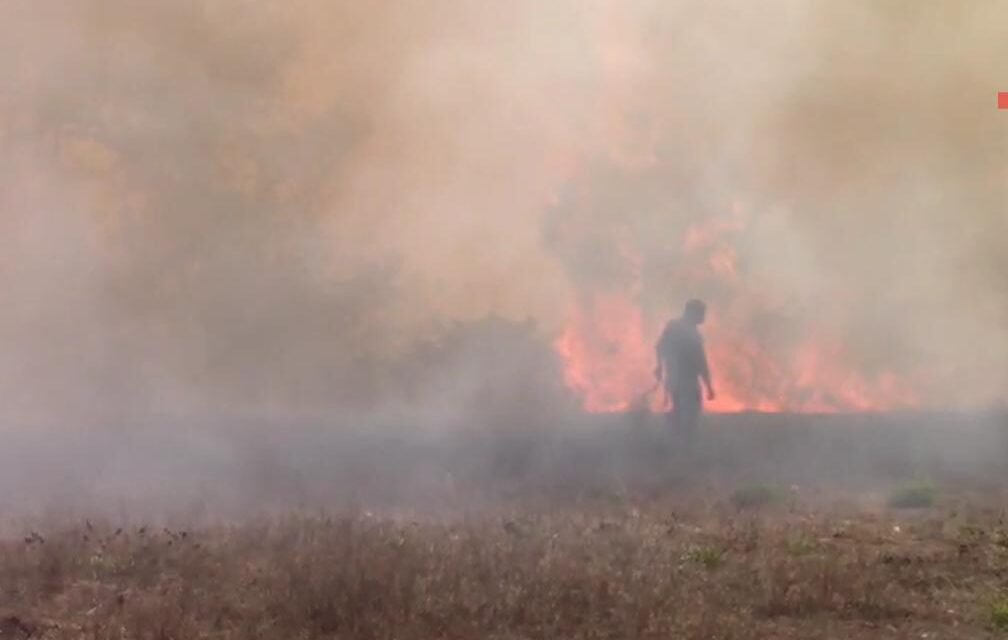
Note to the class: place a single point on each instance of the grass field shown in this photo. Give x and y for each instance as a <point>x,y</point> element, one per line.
<point>697,547</point>
<point>661,570</point>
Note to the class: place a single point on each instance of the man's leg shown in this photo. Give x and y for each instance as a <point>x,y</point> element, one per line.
<point>691,420</point>
<point>671,422</point>
<point>687,402</point>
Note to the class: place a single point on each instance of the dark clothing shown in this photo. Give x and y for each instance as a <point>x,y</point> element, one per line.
<point>683,361</point>
<point>687,406</point>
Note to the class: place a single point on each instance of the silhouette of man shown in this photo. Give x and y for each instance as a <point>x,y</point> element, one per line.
<point>682,365</point>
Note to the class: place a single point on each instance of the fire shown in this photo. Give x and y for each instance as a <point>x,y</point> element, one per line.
<point>606,353</point>
<point>607,345</point>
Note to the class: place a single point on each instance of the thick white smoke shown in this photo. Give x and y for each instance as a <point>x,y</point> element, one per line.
<point>269,203</point>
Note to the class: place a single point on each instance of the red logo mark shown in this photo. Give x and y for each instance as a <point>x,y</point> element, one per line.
<point>1003,100</point>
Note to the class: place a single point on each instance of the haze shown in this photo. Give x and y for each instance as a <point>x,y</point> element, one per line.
<point>266,206</point>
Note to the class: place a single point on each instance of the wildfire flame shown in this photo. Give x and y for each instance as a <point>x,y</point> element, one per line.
<point>607,347</point>
<point>606,353</point>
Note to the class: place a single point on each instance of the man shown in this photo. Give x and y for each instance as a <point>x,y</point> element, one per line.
<point>682,365</point>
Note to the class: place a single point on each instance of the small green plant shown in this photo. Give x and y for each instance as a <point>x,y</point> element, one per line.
<point>801,546</point>
<point>1000,538</point>
<point>707,557</point>
<point>973,532</point>
<point>756,495</point>
<point>999,614</point>
<point>916,495</point>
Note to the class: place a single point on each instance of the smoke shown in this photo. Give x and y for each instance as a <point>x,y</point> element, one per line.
<point>855,154</point>
<point>266,205</point>
<point>890,156</point>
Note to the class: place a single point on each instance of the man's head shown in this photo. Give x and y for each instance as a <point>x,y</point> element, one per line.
<point>695,312</point>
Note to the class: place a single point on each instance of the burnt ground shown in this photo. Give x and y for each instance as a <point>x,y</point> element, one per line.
<point>775,527</point>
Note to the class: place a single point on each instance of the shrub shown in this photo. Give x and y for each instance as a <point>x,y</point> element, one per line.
<point>756,496</point>
<point>801,546</point>
<point>999,614</point>
<point>918,495</point>
<point>708,557</point>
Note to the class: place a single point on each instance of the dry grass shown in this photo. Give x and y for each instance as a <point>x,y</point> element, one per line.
<point>776,527</point>
<point>655,571</point>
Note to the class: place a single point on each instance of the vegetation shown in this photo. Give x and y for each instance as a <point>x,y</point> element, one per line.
<point>707,557</point>
<point>916,495</point>
<point>999,614</point>
<point>756,495</point>
<point>800,546</point>
<point>678,568</point>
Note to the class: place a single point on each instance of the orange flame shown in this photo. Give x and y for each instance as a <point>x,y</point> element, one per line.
<point>606,354</point>
<point>607,347</point>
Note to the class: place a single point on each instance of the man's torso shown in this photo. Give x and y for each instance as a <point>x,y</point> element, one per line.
<point>681,349</point>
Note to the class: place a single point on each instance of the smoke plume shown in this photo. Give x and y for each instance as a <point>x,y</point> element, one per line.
<point>259,205</point>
